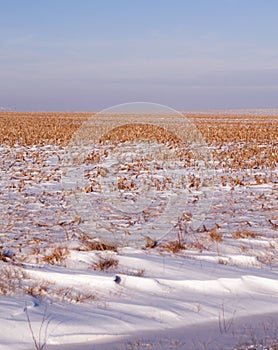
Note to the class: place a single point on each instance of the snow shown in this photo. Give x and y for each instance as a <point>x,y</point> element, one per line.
<point>175,292</point>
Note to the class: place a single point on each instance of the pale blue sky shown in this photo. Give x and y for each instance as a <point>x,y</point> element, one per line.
<point>92,54</point>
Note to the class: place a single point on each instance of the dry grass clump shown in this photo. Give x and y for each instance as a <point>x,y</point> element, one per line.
<point>196,245</point>
<point>150,243</point>
<point>136,273</point>
<point>11,279</point>
<point>215,236</point>
<point>37,290</point>
<point>57,256</point>
<point>71,295</point>
<point>173,246</point>
<point>222,261</point>
<point>89,244</point>
<point>243,234</point>
<point>106,263</point>
<point>15,281</point>
<point>47,289</point>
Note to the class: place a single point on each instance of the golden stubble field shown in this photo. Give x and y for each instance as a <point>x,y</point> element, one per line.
<point>36,225</point>
<point>252,140</point>
<point>58,127</point>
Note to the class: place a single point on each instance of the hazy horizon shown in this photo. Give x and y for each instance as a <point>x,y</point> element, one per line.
<point>69,55</point>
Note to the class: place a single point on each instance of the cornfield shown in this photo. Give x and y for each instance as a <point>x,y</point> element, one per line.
<point>34,213</point>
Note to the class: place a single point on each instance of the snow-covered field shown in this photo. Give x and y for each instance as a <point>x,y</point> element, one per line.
<point>197,270</point>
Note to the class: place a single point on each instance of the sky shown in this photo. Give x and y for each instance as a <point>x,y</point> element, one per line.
<point>93,54</point>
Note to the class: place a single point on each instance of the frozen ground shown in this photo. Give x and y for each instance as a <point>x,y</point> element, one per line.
<point>218,292</point>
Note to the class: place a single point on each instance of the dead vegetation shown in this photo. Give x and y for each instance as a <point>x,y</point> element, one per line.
<point>15,280</point>
<point>29,128</point>
<point>245,151</point>
<point>130,132</point>
<point>57,256</point>
<point>215,236</point>
<point>173,246</point>
<point>241,234</point>
<point>106,263</point>
<point>253,142</point>
<point>90,244</point>
<point>11,279</point>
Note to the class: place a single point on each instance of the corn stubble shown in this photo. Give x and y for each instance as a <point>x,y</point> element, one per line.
<point>244,149</point>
